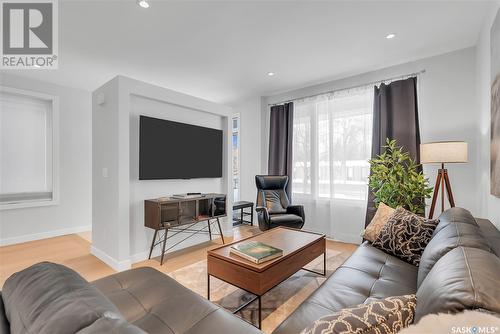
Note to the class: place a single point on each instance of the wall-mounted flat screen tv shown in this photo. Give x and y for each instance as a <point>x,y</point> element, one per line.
<point>172,150</point>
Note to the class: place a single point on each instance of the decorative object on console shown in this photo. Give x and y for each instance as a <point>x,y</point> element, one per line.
<point>405,235</point>
<point>273,206</point>
<point>384,316</point>
<point>441,153</point>
<point>384,212</point>
<point>495,108</point>
<point>180,215</point>
<point>397,180</point>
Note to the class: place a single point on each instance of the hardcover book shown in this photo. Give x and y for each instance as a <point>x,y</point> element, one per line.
<point>256,251</point>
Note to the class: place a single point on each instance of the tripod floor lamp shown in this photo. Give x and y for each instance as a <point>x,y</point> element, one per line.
<point>441,153</point>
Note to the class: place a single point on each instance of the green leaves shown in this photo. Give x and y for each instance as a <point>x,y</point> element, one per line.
<point>396,181</point>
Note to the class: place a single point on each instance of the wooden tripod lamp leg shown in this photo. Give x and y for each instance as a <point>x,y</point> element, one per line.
<point>436,194</point>
<point>448,189</point>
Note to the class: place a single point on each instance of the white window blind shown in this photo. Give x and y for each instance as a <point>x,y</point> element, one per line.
<point>26,144</point>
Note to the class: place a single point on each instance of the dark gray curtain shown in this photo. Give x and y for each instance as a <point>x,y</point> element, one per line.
<point>280,143</point>
<point>395,116</point>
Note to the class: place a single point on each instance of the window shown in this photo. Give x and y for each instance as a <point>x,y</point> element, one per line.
<point>332,136</point>
<point>236,158</point>
<point>27,148</point>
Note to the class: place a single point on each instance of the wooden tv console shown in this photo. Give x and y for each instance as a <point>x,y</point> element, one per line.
<point>180,215</point>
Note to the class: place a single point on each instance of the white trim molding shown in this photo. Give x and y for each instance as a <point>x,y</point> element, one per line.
<point>44,235</point>
<point>110,261</point>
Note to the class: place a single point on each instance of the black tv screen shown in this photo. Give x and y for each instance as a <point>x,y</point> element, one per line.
<point>172,150</point>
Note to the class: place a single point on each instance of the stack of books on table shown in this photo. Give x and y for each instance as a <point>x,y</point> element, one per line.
<point>256,251</point>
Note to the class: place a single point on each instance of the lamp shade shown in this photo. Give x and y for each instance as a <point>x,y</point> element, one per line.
<point>443,152</point>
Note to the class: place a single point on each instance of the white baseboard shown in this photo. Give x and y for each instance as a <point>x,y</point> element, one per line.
<point>44,235</point>
<point>350,238</point>
<point>110,261</point>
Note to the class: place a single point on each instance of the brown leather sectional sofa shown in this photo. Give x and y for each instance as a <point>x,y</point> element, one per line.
<point>459,270</point>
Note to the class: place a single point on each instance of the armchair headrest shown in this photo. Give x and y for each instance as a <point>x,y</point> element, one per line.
<point>270,182</point>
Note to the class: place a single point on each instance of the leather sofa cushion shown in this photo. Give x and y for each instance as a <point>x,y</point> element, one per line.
<point>369,274</point>
<point>464,278</point>
<point>51,298</point>
<point>454,215</point>
<point>4,323</point>
<point>157,303</point>
<point>491,233</point>
<point>449,237</point>
<point>110,325</point>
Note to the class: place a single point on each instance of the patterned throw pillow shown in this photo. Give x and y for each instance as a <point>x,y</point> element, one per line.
<point>384,316</point>
<point>378,221</point>
<point>405,235</point>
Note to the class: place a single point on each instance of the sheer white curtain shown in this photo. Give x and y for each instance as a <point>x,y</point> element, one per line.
<point>332,136</point>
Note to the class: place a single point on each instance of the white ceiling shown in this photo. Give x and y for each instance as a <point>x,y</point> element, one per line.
<point>222,50</point>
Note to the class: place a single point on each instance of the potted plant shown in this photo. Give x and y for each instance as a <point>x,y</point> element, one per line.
<point>397,180</point>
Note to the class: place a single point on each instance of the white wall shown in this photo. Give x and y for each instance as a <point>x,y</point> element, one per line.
<point>144,189</point>
<point>119,235</point>
<point>73,213</point>
<point>447,111</point>
<point>489,205</point>
<point>250,145</point>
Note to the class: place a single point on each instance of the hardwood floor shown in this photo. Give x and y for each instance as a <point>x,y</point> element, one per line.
<point>74,251</point>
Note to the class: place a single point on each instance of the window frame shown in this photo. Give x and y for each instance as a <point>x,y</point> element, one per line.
<point>54,101</point>
<point>237,117</point>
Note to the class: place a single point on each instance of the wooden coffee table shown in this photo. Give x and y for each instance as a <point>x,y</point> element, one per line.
<point>299,248</point>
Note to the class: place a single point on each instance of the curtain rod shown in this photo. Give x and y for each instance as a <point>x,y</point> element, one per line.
<point>347,88</point>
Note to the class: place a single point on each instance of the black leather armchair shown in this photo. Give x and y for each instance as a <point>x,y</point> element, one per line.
<point>273,206</point>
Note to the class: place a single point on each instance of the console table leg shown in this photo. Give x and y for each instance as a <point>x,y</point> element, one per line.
<point>209,229</point>
<point>152,245</point>
<point>163,247</point>
<point>324,263</point>
<point>208,286</point>
<point>220,230</point>
<point>260,313</point>
<point>251,215</point>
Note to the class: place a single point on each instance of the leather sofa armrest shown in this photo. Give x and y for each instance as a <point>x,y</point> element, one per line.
<point>263,218</point>
<point>297,210</point>
<point>4,323</point>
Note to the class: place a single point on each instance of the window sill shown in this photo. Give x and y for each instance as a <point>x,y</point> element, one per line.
<point>27,204</point>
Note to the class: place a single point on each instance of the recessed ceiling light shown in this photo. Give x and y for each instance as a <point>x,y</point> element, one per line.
<point>390,36</point>
<point>271,74</point>
<point>143,3</point>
